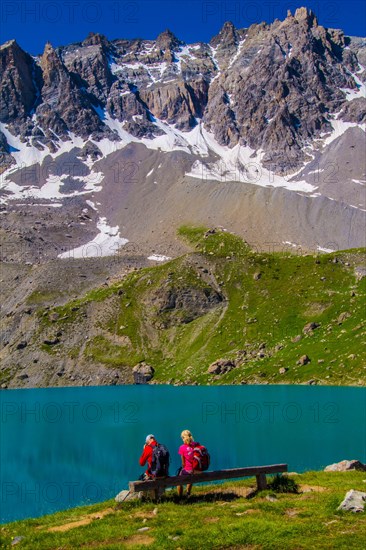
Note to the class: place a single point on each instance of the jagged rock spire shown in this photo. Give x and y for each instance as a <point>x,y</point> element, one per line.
<point>9,44</point>
<point>227,35</point>
<point>94,39</point>
<point>167,41</point>
<point>306,14</point>
<point>53,70</point>
<point>17,86</point>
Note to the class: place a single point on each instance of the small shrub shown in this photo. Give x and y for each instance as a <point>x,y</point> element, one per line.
<point>283,484</point>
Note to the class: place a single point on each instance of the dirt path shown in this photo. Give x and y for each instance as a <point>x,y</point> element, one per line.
<point>84,521</point>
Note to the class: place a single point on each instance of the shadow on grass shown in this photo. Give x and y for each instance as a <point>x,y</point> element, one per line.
<point>205,497</point>
<point>195,498</point>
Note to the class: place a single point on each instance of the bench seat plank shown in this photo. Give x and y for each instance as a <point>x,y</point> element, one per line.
<point>258,471</point>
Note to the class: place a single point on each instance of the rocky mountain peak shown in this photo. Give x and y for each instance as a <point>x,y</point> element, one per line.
<point>52,67</point>
<point>167,41</point>
<point>95,39</point>
<point>11,54</point>
<point>228,28</point>
<point>304,15</point>
<point>227,36</point>
<point>49,53</point>
<point>9,44</point>
<point>17,89</point>
<point>88,63</point>
<point>64,107</point>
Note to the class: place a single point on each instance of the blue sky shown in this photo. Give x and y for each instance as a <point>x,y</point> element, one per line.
<point>33,22</point>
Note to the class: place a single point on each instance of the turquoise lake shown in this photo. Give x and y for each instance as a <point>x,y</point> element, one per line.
<point>63,447</point>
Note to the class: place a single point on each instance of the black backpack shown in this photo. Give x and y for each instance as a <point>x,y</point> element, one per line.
<point>160,461</point>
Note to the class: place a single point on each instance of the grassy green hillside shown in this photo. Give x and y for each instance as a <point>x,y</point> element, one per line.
<point>226,301</point>
<point>225,516</point>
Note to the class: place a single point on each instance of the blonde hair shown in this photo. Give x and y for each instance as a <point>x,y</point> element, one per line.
<point>187,437</point>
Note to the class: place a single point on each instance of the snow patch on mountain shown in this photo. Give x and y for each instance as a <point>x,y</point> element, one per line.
<point>240,164</point>
<point>26,155</point>
<point>339,128</point>
<point>158,258</point>
<point>237,54</point>
<point>291,244</point>
<point>183,54</point>
<point>360,90</point>
<point>52,189</point>
<point>327,250</point>
<point>215,62</point>
<point>106,243</point>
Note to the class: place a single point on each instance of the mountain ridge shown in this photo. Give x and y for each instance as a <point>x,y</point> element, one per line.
<point>297,72</point>
<point>261,131</point>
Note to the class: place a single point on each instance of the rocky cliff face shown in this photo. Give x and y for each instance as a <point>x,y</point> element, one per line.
<point>279,100</point>
<point>65,106</point>
<point>273,88</point>
<point>19,89</point>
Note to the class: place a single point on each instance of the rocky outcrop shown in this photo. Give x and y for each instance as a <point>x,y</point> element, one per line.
<point>125,496</point>
<point>354,111</point>
<point>126,107</point>
<point>143,373</point>
<point>354,501</point>
<point>343,317</point>
<point>64,107</point>
<point>42,102</point>
<point>310,327</point>
<point>221,366</point>
<point>360,272</point>
<point>91,67</point>
<point>91,150</point>
<point>179,103</point>
<point>226,44</point>
<point>6,159</point>
<point>304,360</point>
<point>175,304</point>
<point>345,465</point>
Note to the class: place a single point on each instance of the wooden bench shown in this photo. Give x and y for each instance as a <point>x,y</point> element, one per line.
<point>258,471</point>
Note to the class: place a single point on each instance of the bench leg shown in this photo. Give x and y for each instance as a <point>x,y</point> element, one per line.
<point>261,482</point>
<point>158,493</point>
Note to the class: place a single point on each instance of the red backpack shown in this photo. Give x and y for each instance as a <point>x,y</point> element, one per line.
<point>201,457</point>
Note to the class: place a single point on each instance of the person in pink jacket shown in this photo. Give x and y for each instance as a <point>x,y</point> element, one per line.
<point>186,453</point>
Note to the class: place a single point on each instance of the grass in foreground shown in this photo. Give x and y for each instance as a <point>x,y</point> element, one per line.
<point>216,516</point>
